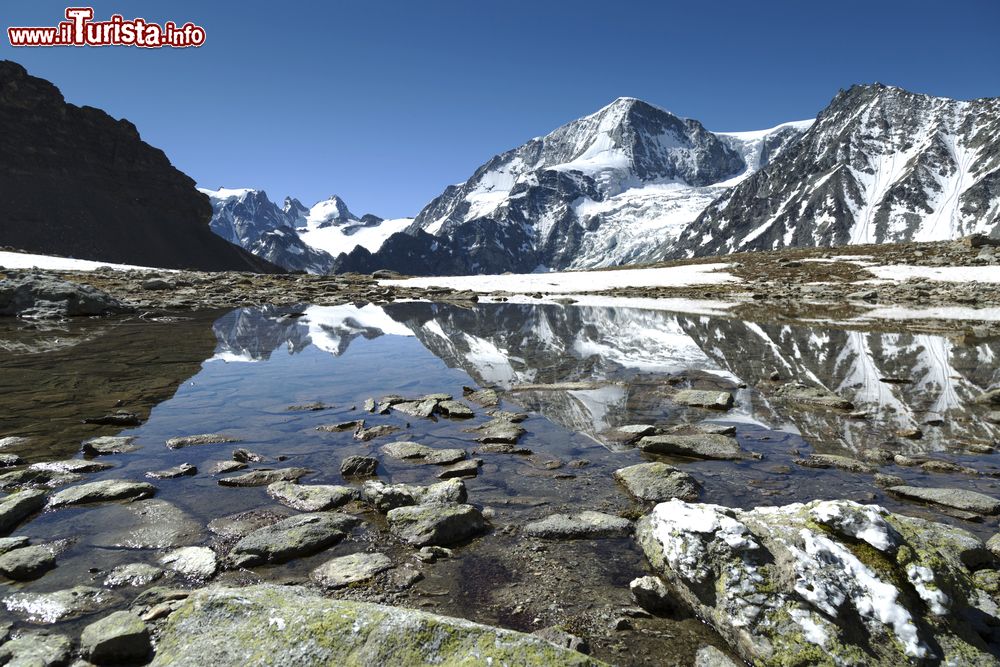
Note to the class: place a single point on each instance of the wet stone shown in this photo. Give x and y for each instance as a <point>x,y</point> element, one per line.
<point>807,396</point>
<point>133,574</point>
<point>358,466</point>
<point>27,563</point>
<point>366,434</point>
<point>183,470</point>
<point>715,400</point>
<point>835,461</point>
<point>36,650</point>
<point>201,439</point>
<point>243,523</point>
<point>223,467</point>
<point>242,455</point>
<point>46,608</point>
<point>311,497</point>
<point>117,418</point>
<point>10,460</point>
<point>18,506</point>
<point>584,525</point>
<point>191,562</point>
<point>499,432</point>
<point>266,477</point>
<point>294,537</point>
<point>455,409</point>
<point>657,482</point>
<point>488,398</point>
<point>99,492</point>
<point>105,445</point>
<point>707,446</point>
<point>72,466</point>
<point>960,499</point>
<point>352,569</point>
<point>27,477</point>
<point>435,523</point>
<point>144,524</point>
<point>405,450</point>
<point>118,638</point>
<point>342,426</point>
<point>468,468</point>
<point>424,408</point>
<point>11,543</point>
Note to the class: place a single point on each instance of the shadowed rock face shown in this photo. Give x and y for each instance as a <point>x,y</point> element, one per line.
<point>77,182</point>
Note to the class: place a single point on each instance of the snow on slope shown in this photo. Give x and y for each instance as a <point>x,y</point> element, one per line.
<point>19,260</point>
<point>335,240</point>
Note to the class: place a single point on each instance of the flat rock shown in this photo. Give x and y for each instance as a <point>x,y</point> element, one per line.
<point>224,467</point>
<point>107,490</point>
<point>435,523</point>
<point>657,482</point>
<point>960,499</point>
<point>46,608</point>
<point>498,431</point>
<point>27,563</point>
<point>699,398</point>
<point>835,461</point>
<point>455,409</point>
<point>704,446</point>
<point>310,497</point>
<point>381,430</point>
<point>467,468</point>
<point>286,626</point>
<point>182,470</point>
<point>132,574</point>
<point>424,408</point>
<point>411,451</point>
<point>352,569</point>
<point>488,398</point>
<point>808,396</point>
<point>109,444</point>
<point>72,465</point>
<point>191,562</point>
<point>11,543</point>
<point>822,583</point>
<point>243,523</point>
<point>359,466</point>
<point>18,506</point>
<point>584,525</point>
<point>266,477</point>
<point>342,426</point>
<point>26,477</point>
<point>294,537</point>
<point>118,638</point>
<point>201,439</point>
<point>36,650</point>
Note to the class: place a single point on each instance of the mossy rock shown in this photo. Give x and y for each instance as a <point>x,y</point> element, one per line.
<point>275,626</point>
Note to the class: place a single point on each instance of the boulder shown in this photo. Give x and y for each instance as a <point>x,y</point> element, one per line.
<point>657,482</point>
<point>27,563</point>
<point>823,583</point>
<point>41,296</point>
<point>384,497</point>
<point>294,537</point>
<point>109,444</point>
<point>290,626</point>
<point>107,490</point>
<point>311,497</point>
<point>352,569</point>
<point>118,638</point>
<point>585,525</point>
<point>358,466</point>
<point>411,451</point>
<point>435,523</point>
<point>191,562</point>
<point>133,574</point>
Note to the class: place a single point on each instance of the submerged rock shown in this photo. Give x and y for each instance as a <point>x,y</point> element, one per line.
<point>585,525</point>
<point>118,638</point>
<point>824,583</point>
<point>107,490</point>
<point>960,499</point>
<point>698,398</point>
<point>144,524</point>
<point>36,650</point>
<point>294,537</point>
<point>657,482</point>
<point>56,606</point>
<point>352,569</point>
<point>310,497</point>
<point>704,446</point>
<point>290,626</point>
<point>435,523</point>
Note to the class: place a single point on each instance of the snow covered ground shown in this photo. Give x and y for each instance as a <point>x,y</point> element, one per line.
<point>948,274</point>
<point>579,281</point>
<point>17,260</point>
<point>333,240</point>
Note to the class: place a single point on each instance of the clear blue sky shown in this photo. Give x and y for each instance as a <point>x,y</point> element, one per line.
<point>385,103</point>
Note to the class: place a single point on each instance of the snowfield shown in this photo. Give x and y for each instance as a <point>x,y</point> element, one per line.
<point>18,260</point>
<point>579,281</point>
<point>334,241</point>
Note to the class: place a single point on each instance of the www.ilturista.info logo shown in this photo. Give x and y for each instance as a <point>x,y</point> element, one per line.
<point>79,29</point>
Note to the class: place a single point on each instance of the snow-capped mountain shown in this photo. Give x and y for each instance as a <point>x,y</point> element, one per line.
<point>295,237</point>
<point>880,165</point>
<point>603,190</point>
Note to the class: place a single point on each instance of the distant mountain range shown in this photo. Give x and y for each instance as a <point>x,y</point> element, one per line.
<point>634,183</point>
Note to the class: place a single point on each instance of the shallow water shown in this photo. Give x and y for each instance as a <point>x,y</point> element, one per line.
<point>238,372</point>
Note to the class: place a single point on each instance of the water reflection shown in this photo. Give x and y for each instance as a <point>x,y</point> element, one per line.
<point>625,361</point>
